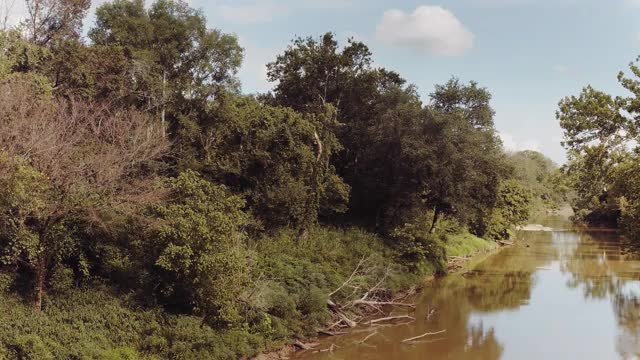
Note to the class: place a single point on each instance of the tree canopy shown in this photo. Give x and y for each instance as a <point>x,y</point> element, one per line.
<point>131,161</point>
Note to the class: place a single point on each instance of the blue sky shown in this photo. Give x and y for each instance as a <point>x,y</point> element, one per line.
<point>528,53</point>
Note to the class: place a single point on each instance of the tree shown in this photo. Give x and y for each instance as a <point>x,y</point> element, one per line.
<point>313,73</point>
<point>466,164</point>
<point>597,135</point>
<point>512,208</point>
<point>201,260</point>
<point>627,186</point>
<point>91,72</point>
<point>20,58</point>
<point>177,62</point>
<point>467,101</point>
<point>540,175</point>
<point>278,158</point>
<point>55,19</point>
<point>76,157</point>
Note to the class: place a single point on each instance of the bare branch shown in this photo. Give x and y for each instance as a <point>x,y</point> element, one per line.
<point>391,318</point>
<point>424,335</point>
<point>348,281</point>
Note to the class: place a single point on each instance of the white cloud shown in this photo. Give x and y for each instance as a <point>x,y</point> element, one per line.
<point>510,144</point>
<point>429,28</point>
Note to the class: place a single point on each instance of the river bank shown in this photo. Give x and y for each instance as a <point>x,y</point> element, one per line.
<point>465,251</point>
<point>574,290</point>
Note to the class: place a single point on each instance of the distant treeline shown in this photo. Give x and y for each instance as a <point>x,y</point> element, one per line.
<point>149,209</point>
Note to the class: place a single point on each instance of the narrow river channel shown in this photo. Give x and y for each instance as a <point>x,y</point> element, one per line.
<point>561,294</point>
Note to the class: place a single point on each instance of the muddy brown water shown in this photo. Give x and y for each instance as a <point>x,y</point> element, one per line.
<point>561,294</point>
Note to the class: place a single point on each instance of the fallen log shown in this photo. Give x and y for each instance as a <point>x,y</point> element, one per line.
<point>350,323</point>
<point>382,303</point>
<point>367,337</point>
<point>329,333</point>
<point>304,346</point>
<point>391,318</point>
<point>424,335</point>
<point>329,349</point>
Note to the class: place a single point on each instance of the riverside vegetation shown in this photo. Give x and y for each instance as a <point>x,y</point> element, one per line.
<point>603,169</point>
<point>149,209</point>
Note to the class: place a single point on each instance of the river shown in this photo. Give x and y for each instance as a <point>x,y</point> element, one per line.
<point>560,294</point>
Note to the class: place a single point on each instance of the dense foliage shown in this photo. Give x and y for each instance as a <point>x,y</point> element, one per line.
<point>543,178</point>
<point>148,209</point>
<point>601,137</point>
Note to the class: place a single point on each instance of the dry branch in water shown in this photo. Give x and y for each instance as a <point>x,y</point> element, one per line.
<point>329,349</point>
<point>424,335</point>
<point>373,298</point>
<point>368,337</point>
<point>390,318</point>
<point>330,333</point>
<point>304,346</point>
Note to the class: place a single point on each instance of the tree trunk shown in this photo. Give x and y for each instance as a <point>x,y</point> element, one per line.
<point>436,216</point>
<point>40,270</point>
<point>164,100</point>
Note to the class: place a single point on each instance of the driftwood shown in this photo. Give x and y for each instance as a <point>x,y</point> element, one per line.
<point>505,243</point>
<point>350,323</point>
<point>331,333</point>
<point>360,263</point>
<point>423,335</point>
<point>304,346</point>
<point>367,337</point>
<point>390,318</point>
<point>374,298</point>
<point>381,303</point>
<point>329,349</point>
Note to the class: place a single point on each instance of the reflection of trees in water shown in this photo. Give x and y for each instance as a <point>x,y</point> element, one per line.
<point>505,281</point>
<point>627,309</point>
<point>595,265</point>
<point>481,344</point>
<point>601,268</point>
<point>499,291</point>
<point>501,282</point>
<point>453,312</point>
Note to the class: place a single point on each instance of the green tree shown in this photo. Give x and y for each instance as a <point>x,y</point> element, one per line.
<point>467,164</point>
<point>512,208</point>
<point>277,158</point>
<point>597,134</point>
<point>313,73</point>
<point>201,258</point>
<point>177,62</point>
<point>540,174</point>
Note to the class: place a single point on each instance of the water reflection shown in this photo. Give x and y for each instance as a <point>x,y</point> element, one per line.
<point>557,295</point>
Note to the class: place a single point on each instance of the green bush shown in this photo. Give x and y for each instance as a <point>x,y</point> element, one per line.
<point>418,248</point>
<point>29,347</point>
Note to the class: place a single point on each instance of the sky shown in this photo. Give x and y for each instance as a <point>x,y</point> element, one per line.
<point>527,53</point>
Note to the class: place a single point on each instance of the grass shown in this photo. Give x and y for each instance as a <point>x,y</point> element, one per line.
<point>467,244</point>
